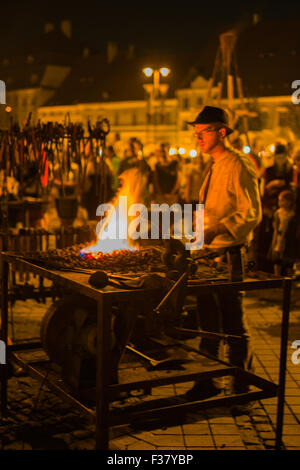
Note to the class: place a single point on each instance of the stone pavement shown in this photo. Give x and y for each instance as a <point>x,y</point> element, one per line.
<point>39,420</point>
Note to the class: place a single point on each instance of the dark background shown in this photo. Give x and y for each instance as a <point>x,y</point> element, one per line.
<point>161,26</point>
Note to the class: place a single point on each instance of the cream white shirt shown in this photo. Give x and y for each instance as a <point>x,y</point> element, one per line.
<point>232,199</point>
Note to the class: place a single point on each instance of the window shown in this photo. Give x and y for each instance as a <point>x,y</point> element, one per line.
<point>185,103</point>
<point>167,118</point>
<point>133,118</point>
<point>283,119</point>
<point>266,120</point>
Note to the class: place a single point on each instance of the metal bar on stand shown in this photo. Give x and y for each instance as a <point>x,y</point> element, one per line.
<point>287,284</point>
<point>102,373</point>
<point>4,331</point>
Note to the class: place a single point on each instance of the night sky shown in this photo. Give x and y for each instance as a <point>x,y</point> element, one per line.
<point>159,26</point>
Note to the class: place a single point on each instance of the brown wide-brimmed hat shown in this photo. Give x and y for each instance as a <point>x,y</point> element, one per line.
<point>210,114</point>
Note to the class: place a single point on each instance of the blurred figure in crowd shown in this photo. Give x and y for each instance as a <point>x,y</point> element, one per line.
<point>275,179</point>
<point>133,156</point>
<point>118,145</point>
<point>283,250</point>
<point>115,161</point>
<point>165,177</point>
<point>296,188</point>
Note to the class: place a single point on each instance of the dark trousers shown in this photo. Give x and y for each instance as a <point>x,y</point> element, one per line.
<point>222,312</point>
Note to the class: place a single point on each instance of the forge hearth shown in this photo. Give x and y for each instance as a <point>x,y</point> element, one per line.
<point>145,259</point>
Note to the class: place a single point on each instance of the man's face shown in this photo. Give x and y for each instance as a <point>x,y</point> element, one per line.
<point>209,136</point>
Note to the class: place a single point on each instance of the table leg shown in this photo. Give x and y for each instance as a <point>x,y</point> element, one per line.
<point>4,331</point>
<point>103,372</point>
<point>287,284</point>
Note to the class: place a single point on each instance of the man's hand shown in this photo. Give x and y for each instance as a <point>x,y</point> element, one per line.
<point>211,232</point>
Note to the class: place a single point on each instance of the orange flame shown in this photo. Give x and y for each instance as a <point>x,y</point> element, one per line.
<point>117,220</point>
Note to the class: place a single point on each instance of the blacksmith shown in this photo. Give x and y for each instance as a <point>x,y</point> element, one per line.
<point>232,209</point>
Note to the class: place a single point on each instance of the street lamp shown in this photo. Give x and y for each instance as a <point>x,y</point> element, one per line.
<point>156,89</point>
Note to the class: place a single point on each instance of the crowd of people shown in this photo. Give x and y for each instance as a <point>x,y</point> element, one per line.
<point>173,178</point>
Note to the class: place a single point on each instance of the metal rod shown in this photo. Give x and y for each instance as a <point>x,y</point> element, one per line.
<point>177,283</point>
<point>287,284</point>
<point>103,370</point>
<point>4,330</point>
<point>153,362</point>
<point>208,334</point>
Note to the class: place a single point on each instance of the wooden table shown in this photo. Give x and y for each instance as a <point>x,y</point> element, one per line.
<point>204,367</point>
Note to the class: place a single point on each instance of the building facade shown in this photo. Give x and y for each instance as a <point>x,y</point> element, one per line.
<point>267,120</point>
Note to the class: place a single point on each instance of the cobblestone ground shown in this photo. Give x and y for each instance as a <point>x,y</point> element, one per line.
<point>37,419</point>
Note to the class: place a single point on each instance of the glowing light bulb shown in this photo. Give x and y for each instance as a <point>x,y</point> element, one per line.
<point>181,151</point>
<point>164,71</point>
<point>172,151</point>
<point>148,71</point>
<point>246,149</point>
<point>193,153</point>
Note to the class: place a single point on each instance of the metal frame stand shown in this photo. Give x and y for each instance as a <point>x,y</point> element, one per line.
<point>204,367</point>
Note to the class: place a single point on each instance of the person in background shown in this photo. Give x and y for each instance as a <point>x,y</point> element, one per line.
<point>114,160</point>
<point>283,250</point>
<point>277,177</point>
<point>133,156</point>
<point>118,145</point>
<point>296,189</point>
<point>165,178</point>
<point>296,171</point>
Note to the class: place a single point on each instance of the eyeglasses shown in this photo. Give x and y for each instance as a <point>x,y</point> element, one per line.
<point>198,135</point>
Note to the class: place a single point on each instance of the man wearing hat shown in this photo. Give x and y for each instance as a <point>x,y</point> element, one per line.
<point>232,209</point>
